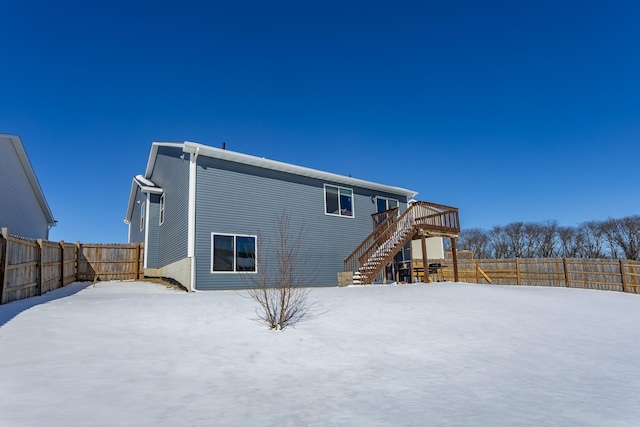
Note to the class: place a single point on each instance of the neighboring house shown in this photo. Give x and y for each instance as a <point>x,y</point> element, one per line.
<point>23,207</point>
<point>202,213</point>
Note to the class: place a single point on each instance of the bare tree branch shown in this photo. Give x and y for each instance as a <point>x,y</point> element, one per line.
<point>281,286</point>
<point>612,238</point>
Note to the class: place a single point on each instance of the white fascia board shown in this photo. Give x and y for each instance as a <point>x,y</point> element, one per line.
<point>153,155</point>
<point>144,181</point>
<point>153,190</point>
<point>218,153</point>
<point>132,196</point>
<point>31,176</point>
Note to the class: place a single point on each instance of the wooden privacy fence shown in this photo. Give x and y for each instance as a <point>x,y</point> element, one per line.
<point>31,267</point>
<point>605,274</point>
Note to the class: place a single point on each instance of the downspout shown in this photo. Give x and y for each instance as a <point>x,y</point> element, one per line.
<point>191,227</point>
<point>146,229</point>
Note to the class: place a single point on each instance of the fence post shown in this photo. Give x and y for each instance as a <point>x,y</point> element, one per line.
<point>39,267</point>
<point>61,263</point>
<point>96,268</point>
<point>78,249</point>
<point>624,276</point>
<point>566,272</point>
<point>4,260</point>
<point>518,271</point>
<point>477,272</point>
<point>137,267</point>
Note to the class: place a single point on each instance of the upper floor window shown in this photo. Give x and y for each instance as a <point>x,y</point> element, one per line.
<point>338,201</point>
<point>384,203</point>
<point>161,209</point>
<point>143,211</point>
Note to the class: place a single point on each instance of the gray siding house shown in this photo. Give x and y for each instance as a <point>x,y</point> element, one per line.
<point>23,207</point>
<point>203,213</point>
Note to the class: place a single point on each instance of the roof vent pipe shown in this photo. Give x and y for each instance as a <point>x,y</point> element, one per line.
<point>224,145</point>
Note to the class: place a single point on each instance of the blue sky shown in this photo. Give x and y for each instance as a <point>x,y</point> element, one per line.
<point>511,111</point>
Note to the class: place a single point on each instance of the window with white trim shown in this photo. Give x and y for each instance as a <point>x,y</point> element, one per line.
<point>162,209</point>
<point>143,211</point>
<point>338,201</point>
<point>233,253</point>
<point>384,203</point>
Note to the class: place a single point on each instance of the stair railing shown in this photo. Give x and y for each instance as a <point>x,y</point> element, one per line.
<point>351,261</point>
<point>377,263</point>
<point>404,222</point>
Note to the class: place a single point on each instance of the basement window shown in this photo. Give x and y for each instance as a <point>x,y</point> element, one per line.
<point>338,201</point>
<point>233,253</point>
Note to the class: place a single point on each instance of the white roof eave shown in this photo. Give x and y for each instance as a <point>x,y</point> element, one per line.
<point>153,154</point>
<point>132,196</point>
<point>218,153</point>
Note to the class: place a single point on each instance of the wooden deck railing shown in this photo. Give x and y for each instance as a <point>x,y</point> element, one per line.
<point>436,218</point>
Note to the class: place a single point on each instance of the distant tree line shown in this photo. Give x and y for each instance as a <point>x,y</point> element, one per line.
<point>613,238</point>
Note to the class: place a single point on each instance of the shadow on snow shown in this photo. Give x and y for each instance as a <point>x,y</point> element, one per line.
<point>11,309</point>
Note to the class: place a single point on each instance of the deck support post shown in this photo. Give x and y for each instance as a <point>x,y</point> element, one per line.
<point>454,256</point>
<point>425,259</point>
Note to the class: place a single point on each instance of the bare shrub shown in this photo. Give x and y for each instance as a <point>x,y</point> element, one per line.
<point>281,284</point>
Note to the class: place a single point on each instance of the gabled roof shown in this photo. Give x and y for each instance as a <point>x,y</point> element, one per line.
<point>260,162</point>
<point>16,142</point>
<point>218,153</point>
<point>146,186</point>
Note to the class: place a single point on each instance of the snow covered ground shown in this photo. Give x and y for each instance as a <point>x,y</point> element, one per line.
<point>138,354</point>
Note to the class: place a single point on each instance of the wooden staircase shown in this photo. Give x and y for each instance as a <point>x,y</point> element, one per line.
<point>387,239</point>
